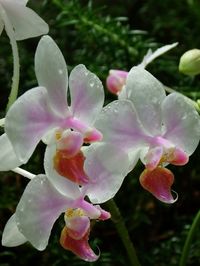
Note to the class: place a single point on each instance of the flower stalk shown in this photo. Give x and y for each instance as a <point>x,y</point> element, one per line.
<point>23,172</point>
<point>190,236</point>
<point>123,232</point>
<point>16,66</point>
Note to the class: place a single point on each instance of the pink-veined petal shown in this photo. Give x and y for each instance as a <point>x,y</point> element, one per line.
<point>180,157</point>
<point>158,182</point>
<point>11,235</point>
<point>119,124</point>
<point>70,142</point>
<point>77,226</point>
<point>79,247</point>
<point>106,165</point>
<point>153,157</point>
<point>182,122</point>
<point>104,214</point>
<point>51,72</point>
<point>27,121</point>
<point>64,185</point>
<point>71,167</point>
<point>147,94</point>
<point>8,158</point>
<point>38,209</point>
<point>25,21</point>
<point>87,94</point>
<point>89,209</point>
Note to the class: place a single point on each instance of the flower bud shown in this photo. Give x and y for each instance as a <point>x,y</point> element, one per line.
<point>190,62</point>
<point>116,80</point>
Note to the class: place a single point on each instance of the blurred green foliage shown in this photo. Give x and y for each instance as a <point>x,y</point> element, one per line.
<point>107,35</point>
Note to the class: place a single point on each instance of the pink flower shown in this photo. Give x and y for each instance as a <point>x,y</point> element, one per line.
<point>43,112</point>
<point>116,80</point>
<point>147,124</point>
<point>38,209</point>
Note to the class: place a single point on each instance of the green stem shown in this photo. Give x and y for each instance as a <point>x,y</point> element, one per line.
<point>191,234</point>
<point>123,232</point>
<point>16,66</point>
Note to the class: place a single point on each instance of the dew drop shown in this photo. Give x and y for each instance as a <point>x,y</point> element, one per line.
<point>60,71</point>
<point>184,117</point>
<point>91,84</point>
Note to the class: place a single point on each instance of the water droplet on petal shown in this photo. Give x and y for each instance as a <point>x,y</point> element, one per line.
<point>60,71</point>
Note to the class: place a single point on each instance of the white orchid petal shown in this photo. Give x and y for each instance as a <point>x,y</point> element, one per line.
<point>182,122</point>
<point>147,94</point>
<point>119,124</point>
<point>106,165</point>
<point>51,72</point>
<point>150,56</point>
<point>11,235</point>
<point>61,183</point>
<point>87,94</point>
<point>28,119</point>
<point>123,94</point>
<point>25,21</point>
<point>38,209</point>
<point>21,2</point>
<point>8,158</point>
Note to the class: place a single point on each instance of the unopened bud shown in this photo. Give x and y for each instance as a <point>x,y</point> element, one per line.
<point>190,62</point>
<point>116,80</point>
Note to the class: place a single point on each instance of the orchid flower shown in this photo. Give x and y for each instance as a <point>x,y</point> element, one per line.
<point>20,23</point>
<point>38,209</point>
<point>23,20</point>
<point>156,128</point>
<point>43,112</point>
<point>116,79</point>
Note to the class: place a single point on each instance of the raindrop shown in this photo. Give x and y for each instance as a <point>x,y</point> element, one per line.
<point>184,117</point>
<point>60,71</point>
<point>91,84</point>
<point>19,228</point>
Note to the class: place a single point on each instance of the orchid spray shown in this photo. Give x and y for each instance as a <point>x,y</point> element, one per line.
<point>90,147</point>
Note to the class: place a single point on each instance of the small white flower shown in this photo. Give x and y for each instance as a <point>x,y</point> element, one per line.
<point>25,22</point>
